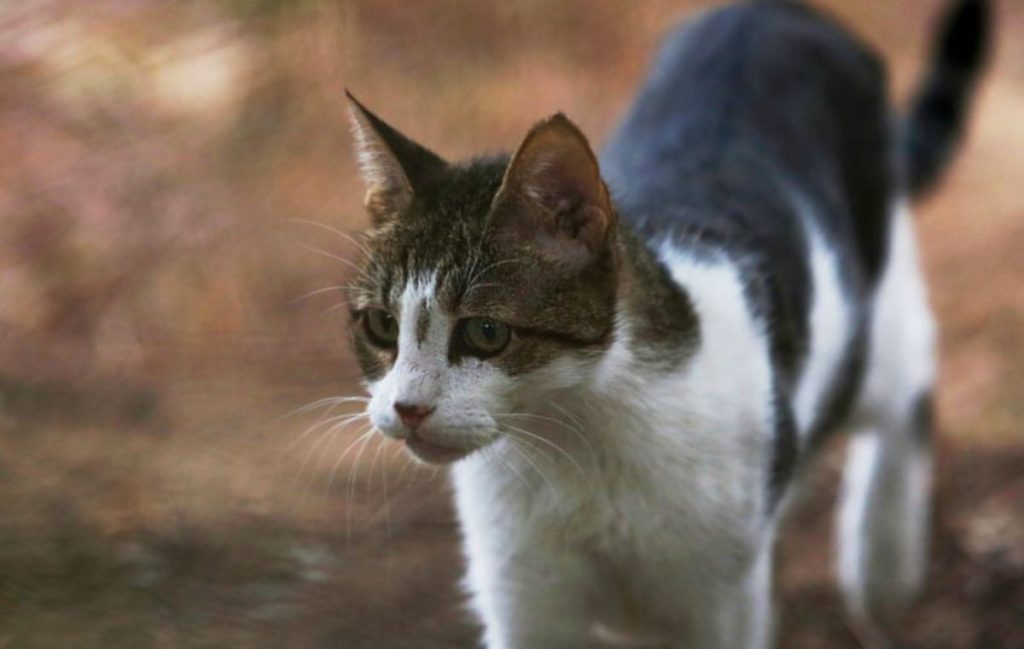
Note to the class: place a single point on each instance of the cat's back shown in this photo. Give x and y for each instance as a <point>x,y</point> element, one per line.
<point>745,105</point>
<point>769,70</point>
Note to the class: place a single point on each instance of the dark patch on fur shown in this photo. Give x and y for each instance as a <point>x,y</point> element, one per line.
<point>422,323</point>
<point>924,418</point>
<point>665,326</point>
<point>785,448</point>
<point>838,400</point>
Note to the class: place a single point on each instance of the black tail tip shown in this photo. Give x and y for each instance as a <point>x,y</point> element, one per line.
<point>941,107</point>
<point>964,35</point>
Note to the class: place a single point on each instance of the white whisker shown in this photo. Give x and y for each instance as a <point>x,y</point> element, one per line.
<point>333,422</point>
<point>362,247</point>
<point>578,432</point>
<point>342,260</point>
<point>472,283</point>
<point>489,453</point>
<point>528,458</point>
<point>558,448</point>
<point>351,490</point>
<point>326,289</point>
<point>324,402</point>
<point>339,305</point>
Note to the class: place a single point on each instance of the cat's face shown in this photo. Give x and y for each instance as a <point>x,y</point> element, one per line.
<point>487,287</point>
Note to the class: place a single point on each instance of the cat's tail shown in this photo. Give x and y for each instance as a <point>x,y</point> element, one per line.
<point>941,105</point>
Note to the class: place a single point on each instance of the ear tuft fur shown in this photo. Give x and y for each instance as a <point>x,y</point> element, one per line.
<point>393,167</point>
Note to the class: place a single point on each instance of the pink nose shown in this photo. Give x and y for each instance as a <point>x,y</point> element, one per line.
<point>412,415</point>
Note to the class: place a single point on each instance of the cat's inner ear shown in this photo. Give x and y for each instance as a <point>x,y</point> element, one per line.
<point>393,167</point>
<point>552,197</point>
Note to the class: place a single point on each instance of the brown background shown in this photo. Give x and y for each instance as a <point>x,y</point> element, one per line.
<point>155,162</point>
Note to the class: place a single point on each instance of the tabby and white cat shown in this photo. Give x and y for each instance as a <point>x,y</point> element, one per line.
<point>626,359</point>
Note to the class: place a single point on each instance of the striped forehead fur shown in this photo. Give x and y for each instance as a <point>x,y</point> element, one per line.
<point>444,232</point>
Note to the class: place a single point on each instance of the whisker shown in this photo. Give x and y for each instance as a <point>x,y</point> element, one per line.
<point>321,440</point>
<point>362,434</point>
<point>526,456</point>
<point>565,411</point>
<point>339,305</point>
<point>408,462</point>
<point>490,454</point>
<point>362,247</point>
<point>326,435</point>
<point>326,289</point>
<point>333,422</point>
<point>484,285</point>
<point>324,402</point>
<point>387,503</point>
<point>360,271</point>
<point>373,465</point>
<point>578,432</point>
<point>552,445</point>
<point>472,283</point>
<point>352,476</point>
<point>496,264</point>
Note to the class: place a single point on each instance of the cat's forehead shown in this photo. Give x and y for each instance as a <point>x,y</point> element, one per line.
<point>444,234</point>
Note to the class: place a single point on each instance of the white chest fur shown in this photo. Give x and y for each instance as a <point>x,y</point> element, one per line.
<point>655,491</point>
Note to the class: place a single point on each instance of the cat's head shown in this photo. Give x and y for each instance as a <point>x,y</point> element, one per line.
<point>488,285</point>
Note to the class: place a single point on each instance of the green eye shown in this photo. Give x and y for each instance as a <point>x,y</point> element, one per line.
<point>485,337</point>
<point>381,327</point>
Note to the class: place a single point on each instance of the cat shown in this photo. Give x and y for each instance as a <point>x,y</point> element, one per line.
<point>626,359</point>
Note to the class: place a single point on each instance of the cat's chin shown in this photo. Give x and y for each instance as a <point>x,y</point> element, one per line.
<point>433,453</point>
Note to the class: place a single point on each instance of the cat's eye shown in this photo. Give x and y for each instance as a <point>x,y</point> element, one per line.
<point>485,337</point>
<point>381,327</point>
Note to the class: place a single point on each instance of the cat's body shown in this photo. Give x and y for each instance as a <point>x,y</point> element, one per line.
<point>669,358</point>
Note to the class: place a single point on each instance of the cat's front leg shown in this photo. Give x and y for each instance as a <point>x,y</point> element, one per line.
<point>527,588</point>
<point>727,614</point>
<point>532,601</point>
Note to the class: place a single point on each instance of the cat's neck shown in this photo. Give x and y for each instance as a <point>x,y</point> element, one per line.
<point>687,361</point>
<point>656,333</point>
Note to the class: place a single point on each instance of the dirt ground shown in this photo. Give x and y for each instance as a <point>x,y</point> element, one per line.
<point>157,487</point>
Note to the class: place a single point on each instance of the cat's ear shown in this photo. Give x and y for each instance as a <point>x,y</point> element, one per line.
<point>552,197</point>
<point>393,167</point>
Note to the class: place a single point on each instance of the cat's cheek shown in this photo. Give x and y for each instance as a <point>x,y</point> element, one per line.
<point>477,396</point>
<point>374,363</point>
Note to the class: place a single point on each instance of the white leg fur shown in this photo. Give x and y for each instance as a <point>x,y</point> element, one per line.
<point>883,521</point>
<point>758,604</point>
<point>883,524</point>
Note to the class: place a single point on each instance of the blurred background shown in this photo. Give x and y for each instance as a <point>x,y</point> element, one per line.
<point>170,175</point>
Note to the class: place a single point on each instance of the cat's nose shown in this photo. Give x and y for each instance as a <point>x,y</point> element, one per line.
<point>412,415</point>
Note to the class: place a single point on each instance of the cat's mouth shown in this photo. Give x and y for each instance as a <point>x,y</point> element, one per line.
<point>433,452</point>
